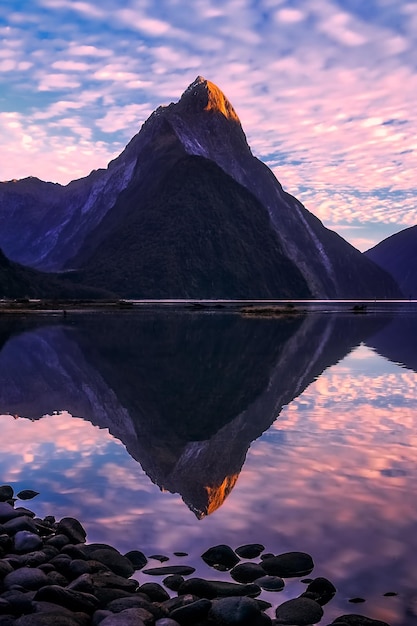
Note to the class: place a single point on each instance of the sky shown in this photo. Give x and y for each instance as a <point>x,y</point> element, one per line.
<point>325,91</point>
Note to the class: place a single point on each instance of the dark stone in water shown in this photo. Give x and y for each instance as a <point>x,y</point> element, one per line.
<point>288,565</point>
<point>300,611</point>
<point>250,551</point>
<point>27,494</point>
<point>115,561</point>
<point>6,493</point>
<point>247,572</point>
<point>357,620</point>
<point>321,590</point>
<point>237,612</point>
<point>154,591</point>
<point>137,558</point>
<point>159,557</point>
<point>193,613</point>
<point>74,600</point>
<point>180,553</point>
<point>72,528</point>
<point>220,555</point>
<point>270,583</point>
<point>183,570</point>
<point>173,582</point>
<point>357,600</point>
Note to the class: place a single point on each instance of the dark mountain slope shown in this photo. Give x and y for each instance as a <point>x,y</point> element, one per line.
<point>398,256</point>
<point>201,235</point>
<point>18,281</point>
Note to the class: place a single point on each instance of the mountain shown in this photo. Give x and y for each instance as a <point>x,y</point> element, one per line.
<point>18,281</point>
<point>185,392</point>
<point>397,255</point>
<point>185,211</point>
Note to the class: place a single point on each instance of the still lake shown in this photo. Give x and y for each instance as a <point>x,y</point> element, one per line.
<point>166,429</point>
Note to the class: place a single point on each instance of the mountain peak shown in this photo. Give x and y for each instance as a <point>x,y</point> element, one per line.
<point>205,95</point>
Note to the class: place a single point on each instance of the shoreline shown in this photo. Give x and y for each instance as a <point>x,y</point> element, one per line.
<point>50,574</point>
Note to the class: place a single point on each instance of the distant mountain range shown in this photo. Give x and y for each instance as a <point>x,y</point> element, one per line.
<point>397,255</point>
<point>185,211</point>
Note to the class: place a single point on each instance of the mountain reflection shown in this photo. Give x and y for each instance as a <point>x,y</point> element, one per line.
<point>185,392</point>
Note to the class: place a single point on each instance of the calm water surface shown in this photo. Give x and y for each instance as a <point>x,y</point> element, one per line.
<point>171,430</point>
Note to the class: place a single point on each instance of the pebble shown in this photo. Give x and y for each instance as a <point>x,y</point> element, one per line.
<point>51,576</point>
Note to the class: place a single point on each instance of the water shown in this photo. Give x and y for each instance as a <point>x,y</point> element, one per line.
<point>172,430</point>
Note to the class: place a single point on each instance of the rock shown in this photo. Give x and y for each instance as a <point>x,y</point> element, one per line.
<point>58,541</point>
<point>183,570</point>
<point>115,561</point>
<point>159,557</point>
<point>26,577</point>
<point>197,587</point>
<point>154,591</point>
<point>270,583</point>
<point>5,568</point>
<point>237,612</point>
<point>247,572</point>
<point>300,611</point>
<point>74,600</point>
<point>47,619</point>
<point>321,590</point>
<point>220,555</point>
<point>83,583</point>
<point>250,551</point>
<point>113,581</point>
<point>288,565</point>
<point>129,617</point>
<point>27,494</point>
<point>137,558</point>
<point>180,553</point>
<point>139,601</point>
<point>20,522</point>
<point>166,621</point>
<point>6,493</point>
<point>357,620</point>
<point>173,582</point>
<point>26,541</point>
<point>72,528</point>
<point>192,613</point>
<point>19,602</point>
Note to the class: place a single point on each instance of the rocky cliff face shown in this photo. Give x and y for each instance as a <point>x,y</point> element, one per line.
<point>397,255</point>
<point>122,218</point>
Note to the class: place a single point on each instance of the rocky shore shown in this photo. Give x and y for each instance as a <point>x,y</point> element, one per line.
<point>51,576</point>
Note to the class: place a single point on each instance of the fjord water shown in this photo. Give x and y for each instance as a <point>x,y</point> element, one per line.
<point>174,430</point>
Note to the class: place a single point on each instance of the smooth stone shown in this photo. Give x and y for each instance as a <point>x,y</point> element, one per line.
<point>220,555</point>
<point>216,588</point>
<point>75,551</point>
<point>357,620</point>
<point>166,621</point>
<point>183,570</point>
<point>18,523</point>
<point>129,617</point>
<point>72,528</point>
<point>55,578</point>
<point>154,591</point>
<point>321,590</point>
<point>26,577</point>
<point>270,583</point>
<point>74,600</point>
<point>34,559</point>
<point>115,561</point>
<point>5,542</point>
<point>113,581</point>
<point>6,493</point>
<point>137,558</point>
<point>105,595</point>
<point>247,572</point>
<point>237,612</point>
<point>7,620</point>
<point>22,510</point>
<point>288,565</point>
<point>250,550</point>
<point>357,600</point>
<point>300,611</point>
<point>20,602</point>
<point>82,583</point>
<point>173,582</point>
<point>26,541</point>
<point>192,613</point>
<point>5,568</point>
<point>7,512</point>
<point>175,603</point>
<point>47,619</point>
<point>180,553</point>
<point>58,541</point>
<point>27,494</point>
<point>159,557</point>
<point>138,601</point>
<point>79,567</point>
